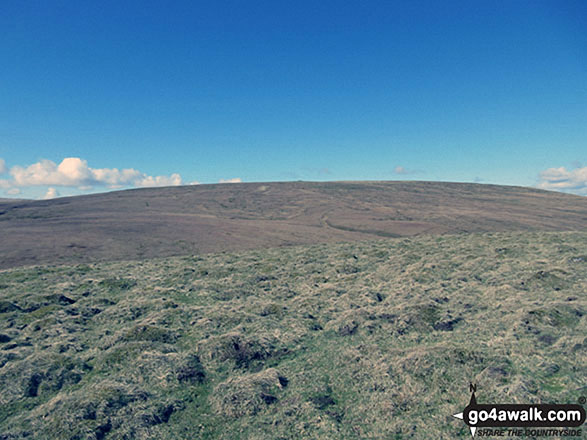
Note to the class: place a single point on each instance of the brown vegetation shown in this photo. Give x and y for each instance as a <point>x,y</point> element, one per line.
<point>187,220</point>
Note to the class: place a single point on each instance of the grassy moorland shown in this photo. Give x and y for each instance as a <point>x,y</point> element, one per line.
<point>198,219</point>
<point>375,339</point>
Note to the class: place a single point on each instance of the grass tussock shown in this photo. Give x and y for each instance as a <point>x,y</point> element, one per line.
<point>367,340</point>
<point>248,394</point>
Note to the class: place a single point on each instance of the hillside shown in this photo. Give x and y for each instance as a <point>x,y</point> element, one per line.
<point>191,220</point>
<point>377,339</point>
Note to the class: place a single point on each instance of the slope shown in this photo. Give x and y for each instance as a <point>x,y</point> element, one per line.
<point>146,223</point>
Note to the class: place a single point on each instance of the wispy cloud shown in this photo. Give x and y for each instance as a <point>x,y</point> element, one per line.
<point>13,191</point>
<point>404,171</point>
<point>3,169</point>
<point>75,172</point>
<point>561,179</point>
<point>233,180</point>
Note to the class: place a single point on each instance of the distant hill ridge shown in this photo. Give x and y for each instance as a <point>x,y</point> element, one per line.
<point>152,222</point>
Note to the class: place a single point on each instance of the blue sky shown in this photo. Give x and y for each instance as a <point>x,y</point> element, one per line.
<point>181,92</point>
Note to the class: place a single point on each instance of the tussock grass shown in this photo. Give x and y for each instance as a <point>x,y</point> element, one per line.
<point>246,395</point>
<point>366,340</point>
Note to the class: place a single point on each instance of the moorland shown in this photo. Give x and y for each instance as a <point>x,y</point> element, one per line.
<point>343,311</point>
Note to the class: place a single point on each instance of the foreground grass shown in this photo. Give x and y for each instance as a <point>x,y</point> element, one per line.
<point>364,340</point>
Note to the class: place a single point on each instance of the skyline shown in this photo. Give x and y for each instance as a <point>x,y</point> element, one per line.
<point>109,96</point>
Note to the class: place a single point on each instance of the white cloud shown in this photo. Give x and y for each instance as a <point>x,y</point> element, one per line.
<point>173,180</point>
<point>51,194</point>
<point>3,168</point>
<point>195,182</point>
<point>115,177</point>
<point>561,179</point>
<point>403,171</point>
<point>41,173</point>
<point>75,169</point>
<point>233,180</point>
<point>13,191</point>
<point>75,172</point>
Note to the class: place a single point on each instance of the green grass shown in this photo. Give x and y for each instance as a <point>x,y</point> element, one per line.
<point>368,340</point>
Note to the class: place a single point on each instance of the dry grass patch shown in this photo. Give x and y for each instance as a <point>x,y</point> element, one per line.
<point>248,394</point>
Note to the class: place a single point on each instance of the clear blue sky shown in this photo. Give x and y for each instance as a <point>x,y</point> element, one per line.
<point>491,91</point>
